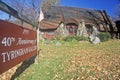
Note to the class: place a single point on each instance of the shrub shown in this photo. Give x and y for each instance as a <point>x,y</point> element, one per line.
<point>82,38</point>
<point>75,38</point>
<point>104,36</point>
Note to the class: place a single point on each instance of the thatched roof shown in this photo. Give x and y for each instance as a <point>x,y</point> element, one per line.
<point>70,14</point>
<point>52,24</point>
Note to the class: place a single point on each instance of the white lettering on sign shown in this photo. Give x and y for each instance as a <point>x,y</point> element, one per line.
<point>25,31</point>
<point>7,41</point>
<point>23,42</point>
<point>7,56</point>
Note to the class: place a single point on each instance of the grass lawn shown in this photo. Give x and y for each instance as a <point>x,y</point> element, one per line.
<point>79,61</point>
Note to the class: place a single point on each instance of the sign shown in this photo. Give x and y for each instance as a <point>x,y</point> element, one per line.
<point>16,44</point>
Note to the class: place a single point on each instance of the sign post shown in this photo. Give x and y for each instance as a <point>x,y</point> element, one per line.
<point>16,45</point>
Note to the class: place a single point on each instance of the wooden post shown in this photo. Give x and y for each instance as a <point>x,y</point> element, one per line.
<point>38,50</point>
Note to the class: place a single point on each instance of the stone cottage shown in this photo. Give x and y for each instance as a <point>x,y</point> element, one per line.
<point>64,21</point>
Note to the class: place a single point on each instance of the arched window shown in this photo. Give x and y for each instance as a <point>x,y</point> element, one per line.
<point>89,29</point>
<point>72,28</point>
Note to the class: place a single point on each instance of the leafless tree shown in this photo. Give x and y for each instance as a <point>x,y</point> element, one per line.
<point>28,8</point>
<point>31,8</point>
<point>117,12</point>
<point>47,4</point>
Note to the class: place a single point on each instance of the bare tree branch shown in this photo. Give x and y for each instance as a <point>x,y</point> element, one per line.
<point>47,4</point>
<point>29,8</point>
<point>117,13</point>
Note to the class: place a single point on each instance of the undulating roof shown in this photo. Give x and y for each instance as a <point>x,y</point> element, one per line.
<point>58,14</point>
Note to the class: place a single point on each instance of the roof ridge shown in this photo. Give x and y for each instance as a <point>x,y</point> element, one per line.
<point>75,7</point>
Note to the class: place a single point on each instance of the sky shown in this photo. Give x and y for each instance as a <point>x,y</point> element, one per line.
<point>108,5</point>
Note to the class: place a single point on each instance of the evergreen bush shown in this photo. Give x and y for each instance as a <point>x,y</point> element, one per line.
<point>75,38</point>
<point>104,36</point>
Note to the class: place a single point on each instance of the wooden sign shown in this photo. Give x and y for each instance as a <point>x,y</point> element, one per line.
<point>16,44</point>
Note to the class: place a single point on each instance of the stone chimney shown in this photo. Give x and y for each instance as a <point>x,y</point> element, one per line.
<point>41,16</point>
<point>84,33</point>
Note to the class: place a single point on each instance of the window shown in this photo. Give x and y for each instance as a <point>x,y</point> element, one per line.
<point>70,29</point>
<point>89,29</point>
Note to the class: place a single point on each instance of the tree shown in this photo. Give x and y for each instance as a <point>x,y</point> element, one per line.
<point>47,4</point>
<point>117,12</point>
<point>31,8</point>
<point>28,8</point>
